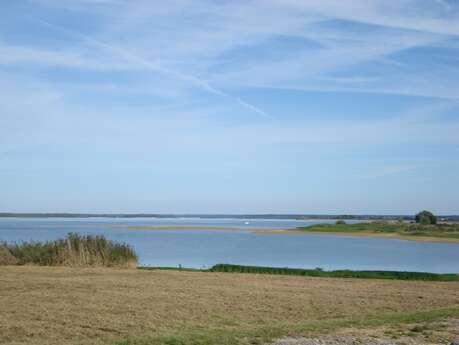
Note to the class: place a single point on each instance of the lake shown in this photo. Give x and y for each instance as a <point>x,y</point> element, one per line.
<point>204,248</point>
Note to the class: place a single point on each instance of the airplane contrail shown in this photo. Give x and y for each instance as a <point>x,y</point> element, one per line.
<point>158,68</point>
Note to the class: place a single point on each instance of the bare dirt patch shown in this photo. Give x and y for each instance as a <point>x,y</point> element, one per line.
<point>427,333</point>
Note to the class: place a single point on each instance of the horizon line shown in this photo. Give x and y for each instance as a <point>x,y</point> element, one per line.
<point>152,215</point>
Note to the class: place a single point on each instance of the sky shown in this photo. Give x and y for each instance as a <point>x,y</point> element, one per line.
<point>273,106</point>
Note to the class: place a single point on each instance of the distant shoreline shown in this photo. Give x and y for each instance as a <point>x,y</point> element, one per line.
<point>293,216</point>
<point>291,231</point>
<point>443,233</point>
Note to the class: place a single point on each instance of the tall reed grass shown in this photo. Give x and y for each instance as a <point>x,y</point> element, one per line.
<point>74,250</point>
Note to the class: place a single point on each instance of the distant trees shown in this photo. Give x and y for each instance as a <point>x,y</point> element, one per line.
<point>340,222</point>
<point>425,217</point>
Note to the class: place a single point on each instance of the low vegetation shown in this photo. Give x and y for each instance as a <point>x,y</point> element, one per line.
<point>425,226</point>
<point>70,306</point>
<point>441,231</point>
<point>336,274</point>
<point>74,250</point>
<point>6,258</point>
<point>317,272</point>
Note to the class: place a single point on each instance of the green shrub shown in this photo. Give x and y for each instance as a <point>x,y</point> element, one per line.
<point>340,222</point>
<point>425,217</point>
<point>74,250</point>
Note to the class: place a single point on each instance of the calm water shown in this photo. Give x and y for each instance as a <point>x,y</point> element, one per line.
<point>204,248</point>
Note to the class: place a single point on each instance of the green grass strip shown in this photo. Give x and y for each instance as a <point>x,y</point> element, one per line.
<point>337,274</point>
<point>396,275</point>
<point>442,231</point>
<point>262,335</point>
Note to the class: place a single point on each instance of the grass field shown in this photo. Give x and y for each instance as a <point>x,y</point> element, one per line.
<point>61,305</point>
<point>439,232</point>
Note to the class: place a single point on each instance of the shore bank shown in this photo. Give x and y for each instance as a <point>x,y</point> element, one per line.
<point>444,232</point>
<point>300,231</point>
<point>366,234</point>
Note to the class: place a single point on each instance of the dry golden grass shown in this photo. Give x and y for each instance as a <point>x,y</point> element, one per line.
<point>59,305</point>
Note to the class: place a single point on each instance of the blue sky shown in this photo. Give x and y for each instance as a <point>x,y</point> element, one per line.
<point>275,106</point>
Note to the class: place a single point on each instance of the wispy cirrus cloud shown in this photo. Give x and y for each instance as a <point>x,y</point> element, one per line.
<point>216,46</point>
